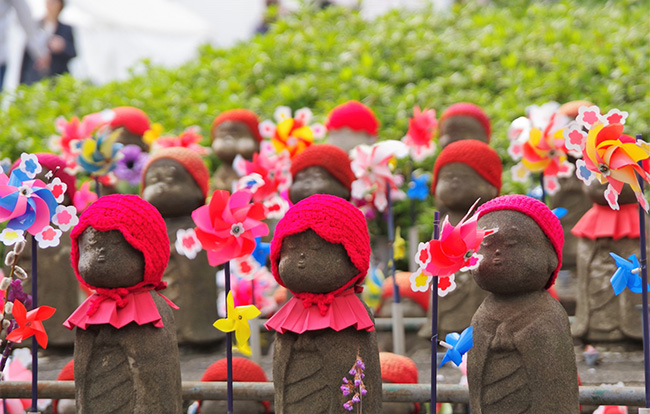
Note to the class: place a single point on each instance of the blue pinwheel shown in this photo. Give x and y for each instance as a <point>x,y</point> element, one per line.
<point>261,252</point>
<point>457,346</point>
<point>560,212</point>
<point>418,187</point>
<point>99,152</point>
<point>627,274</point>
<point>26,203</point>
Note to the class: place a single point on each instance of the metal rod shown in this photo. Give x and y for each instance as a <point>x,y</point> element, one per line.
<point>644,294</point>
<point>226,271</point>
<point>399,345</point>
<point>541,184</point>
<point>434,321</point>
<point>34,342</point>
<point>261,391</point>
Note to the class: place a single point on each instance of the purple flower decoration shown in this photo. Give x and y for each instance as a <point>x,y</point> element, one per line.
<point>16,292</point>
<point>129,167</point>
<point>358,387</point>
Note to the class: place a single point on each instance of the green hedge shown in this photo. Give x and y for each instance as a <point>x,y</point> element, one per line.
<point>503,57</point>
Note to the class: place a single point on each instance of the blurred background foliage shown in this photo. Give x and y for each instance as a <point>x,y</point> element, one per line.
<point>503,57</point>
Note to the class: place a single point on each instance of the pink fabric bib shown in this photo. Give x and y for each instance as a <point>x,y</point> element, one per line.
<point>345,310</point>
<point>602,221</point>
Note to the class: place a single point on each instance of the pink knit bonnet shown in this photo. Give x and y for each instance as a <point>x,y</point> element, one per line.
<point>334,220</point>
<point>141,225</point>
<point>545,219</point>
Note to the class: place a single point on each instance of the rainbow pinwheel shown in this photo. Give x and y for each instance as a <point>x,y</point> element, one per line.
<point>228,225</point>
<point>419,138</point>
<point>538,141</point>
<point>30,323</point>
<point>372,167</point>
<point>608,154</point>
<point>291,134</point>
<point>237,321</point>
<point>455,250</point>
<point>457,345</point>
<point>268,175</point>
<point>627,275</point>
<point>99,152</point>
<point>73,132</point>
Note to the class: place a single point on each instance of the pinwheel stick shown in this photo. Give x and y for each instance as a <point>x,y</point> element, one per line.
<point>226,271</point>
<point>434,321</point>
<point>34,408</point>
<point>644,295</point>
<point>256,345</point>
<point>541,184</point>
<point>98,190</point>
<point>399,346</point>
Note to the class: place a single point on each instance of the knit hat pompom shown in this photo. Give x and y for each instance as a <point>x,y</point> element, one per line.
<point>132,119</point>
<point>543,216</point>
<point>404,285</point>
<point>468,109</point>
<point>141,225</point>
<point>245,116</point>
<point>397,369</point>
<point>189,159</point>
<point>477,154</point>
<point>51,161</point>
<point>335,220</point>
<point>354,115</point>
<point>330,157</point>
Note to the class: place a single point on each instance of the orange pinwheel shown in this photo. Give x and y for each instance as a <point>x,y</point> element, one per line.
<point>30,323</point>
<point>292,134</point>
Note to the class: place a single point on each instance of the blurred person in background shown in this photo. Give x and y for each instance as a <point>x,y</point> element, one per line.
<point>60,43</point>
<point>36,38</point>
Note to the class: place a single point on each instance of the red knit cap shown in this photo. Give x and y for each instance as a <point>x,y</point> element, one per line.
<point>404,284</point>
<point>397,369</point>
<point>51,161</point>
<point>477,154</point>
<point>354,115</point>
<point>545,219</point>
<point>468,109</point>
<point>189,159</point>
<point>244,116</point>
<point>335,220</point>
<point>141,225</point>
<point>133,119</point>
<point>330,157</point>
<point>243,370</point>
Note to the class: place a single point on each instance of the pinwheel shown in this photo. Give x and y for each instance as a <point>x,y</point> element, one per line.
<point>227,227</point>
<point>261,252</point>
<point>83,197</point>
<point>371,166</point>
<point>419,138</point>
<point>418,187</point>
<point>608,154</point>
<point>30,323</point>
<point>268,175</point>
<point>152,134</point>
<point>73,132</point>
<point>190,139</point>
<point>291,134</point>
<point>237,321</point>
<point>99,152</point>
<point>457,345</point>
<point>627,275</point>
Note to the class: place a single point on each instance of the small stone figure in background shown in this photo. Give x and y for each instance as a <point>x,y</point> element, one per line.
<point>233,132</point>
<point>523,358</point>
<point>465,171</point>
<point>321,169</point>
<point>350,124</point>
<point>126,353</point>
<point>321,253</point>
<point>60,288</point>
<point>65,406</point>
<point>175,181</point>
<point>243,370</point>
<point>134,123</point>
<point>398,369</point>
<point>463,121</point>
<point>602,316</point>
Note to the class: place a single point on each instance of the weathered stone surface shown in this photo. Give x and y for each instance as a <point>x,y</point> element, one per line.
<point>458,127</point>
<point>316,180</point>
<point>229,139</point>
<point>347,138</point>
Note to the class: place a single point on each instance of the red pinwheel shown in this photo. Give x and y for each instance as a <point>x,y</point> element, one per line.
<point>30,323</point>
<point>227,227</point>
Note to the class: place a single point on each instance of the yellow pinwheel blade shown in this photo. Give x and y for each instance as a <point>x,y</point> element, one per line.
<point>225,325</point>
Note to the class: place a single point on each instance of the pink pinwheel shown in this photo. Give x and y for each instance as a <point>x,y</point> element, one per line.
<point>83,197</point>
<point>608,154</point>
<point>189,138</point>
<point>371,166</point>
<point>227,227</point>
<point>30,323</point>
<point>419,138</point>
<point>273,169</point>
<point>454,251</point>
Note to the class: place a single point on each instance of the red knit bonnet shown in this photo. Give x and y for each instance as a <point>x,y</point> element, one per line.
<point>353,115</point>
<point>477,154</point>
<point>334,220</point>
<point>468,109</point>
<point>189,159</point>
<point>244,116</point>
<point>330,157</point>
<point>132,119</point>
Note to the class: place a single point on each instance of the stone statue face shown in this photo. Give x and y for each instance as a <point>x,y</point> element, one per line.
<point>316,180</point>
<point>518,258</point>
<point>107,260</point>
<point>309,263</point>
<point>128,138</point>
<point>346,138</point>
<point>459,185</point>
<point>460,127</point>
<point>596,193</point>
<point>170,188</point>
<point>232,138</point>
<point>219,407</point>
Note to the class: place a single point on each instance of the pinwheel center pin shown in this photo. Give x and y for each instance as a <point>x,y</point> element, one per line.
<point>446,345</point>
<point>468,254</point>
<point>604,170</point>
<point>24,190</point>
<point>237,229</point>
<point>552,153</point>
